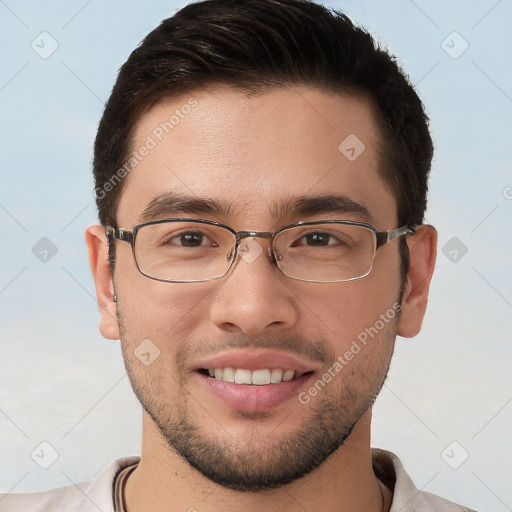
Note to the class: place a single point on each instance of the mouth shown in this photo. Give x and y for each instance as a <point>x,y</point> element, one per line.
<point>254,381</point>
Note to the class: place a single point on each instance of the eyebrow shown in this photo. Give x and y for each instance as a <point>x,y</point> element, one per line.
<point>170,203</point>
<point>307,206</point>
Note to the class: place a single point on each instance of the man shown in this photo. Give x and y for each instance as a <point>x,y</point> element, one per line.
<point>261,175</point>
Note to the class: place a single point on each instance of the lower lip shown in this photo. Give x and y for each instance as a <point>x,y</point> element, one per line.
<point>253,398</point>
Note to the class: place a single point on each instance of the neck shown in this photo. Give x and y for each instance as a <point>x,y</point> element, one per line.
<point>344,482</point>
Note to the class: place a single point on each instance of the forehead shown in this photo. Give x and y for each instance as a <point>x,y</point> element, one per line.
<point>255,154</point>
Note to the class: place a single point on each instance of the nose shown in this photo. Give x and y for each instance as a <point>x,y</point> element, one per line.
<point>255,296</point>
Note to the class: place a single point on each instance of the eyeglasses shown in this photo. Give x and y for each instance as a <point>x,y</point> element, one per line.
<point>192,250</point>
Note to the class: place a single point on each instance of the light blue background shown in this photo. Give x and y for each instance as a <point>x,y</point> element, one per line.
<point>60,382</point>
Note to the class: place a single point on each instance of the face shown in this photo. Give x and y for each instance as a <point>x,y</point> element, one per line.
<point>256,158</point>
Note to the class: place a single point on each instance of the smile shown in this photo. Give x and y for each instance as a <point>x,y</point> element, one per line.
<point>254,380</point>
<point>258,377</point>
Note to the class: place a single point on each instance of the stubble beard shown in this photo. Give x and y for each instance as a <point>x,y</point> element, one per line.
<point>263,464</point>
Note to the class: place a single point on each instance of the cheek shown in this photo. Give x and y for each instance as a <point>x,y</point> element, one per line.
<point>155,383</point>
<point>355,378</point>
<point>168,314</point>
<point>345,311</point>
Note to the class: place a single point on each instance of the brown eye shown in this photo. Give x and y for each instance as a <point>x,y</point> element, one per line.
<point>191,239</point>
<point>317,239</point>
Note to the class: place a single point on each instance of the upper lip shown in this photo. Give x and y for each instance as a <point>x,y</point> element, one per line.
<point>256,360</point>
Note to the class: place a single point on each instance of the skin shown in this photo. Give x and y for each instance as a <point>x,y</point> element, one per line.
<point>253,152</point>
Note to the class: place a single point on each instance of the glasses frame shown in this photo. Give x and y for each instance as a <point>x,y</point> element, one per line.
<point>380,237</point>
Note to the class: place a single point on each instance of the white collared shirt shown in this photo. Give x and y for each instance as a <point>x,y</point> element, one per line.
<point>98,494</point>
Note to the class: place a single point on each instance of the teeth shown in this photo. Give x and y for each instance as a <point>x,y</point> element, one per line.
<point>228,375</point>
<point>241,376</point>
<point>260,377</point>
<point>276,376</point>
<point>288,375</point>
<point>256,377</point>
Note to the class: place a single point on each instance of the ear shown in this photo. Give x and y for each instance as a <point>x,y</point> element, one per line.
<point>97,249</point>
<point>423,250</point>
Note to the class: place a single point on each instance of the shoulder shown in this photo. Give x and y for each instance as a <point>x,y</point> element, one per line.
<point>69,498</point>
<point>84,497</point>
<point>406,497</point>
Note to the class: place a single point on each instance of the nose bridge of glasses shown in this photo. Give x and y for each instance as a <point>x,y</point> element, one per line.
<point>243,235</point>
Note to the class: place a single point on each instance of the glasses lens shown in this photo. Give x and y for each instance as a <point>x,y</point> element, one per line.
<point>325,252</point>
<point>183,251</point>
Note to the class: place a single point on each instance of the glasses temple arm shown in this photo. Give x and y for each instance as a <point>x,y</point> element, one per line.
<point>383,237</point>
<point>119,234</point>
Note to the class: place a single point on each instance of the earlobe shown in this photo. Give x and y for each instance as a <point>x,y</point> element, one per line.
<point>97,249</point>
<point>422,250</point>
